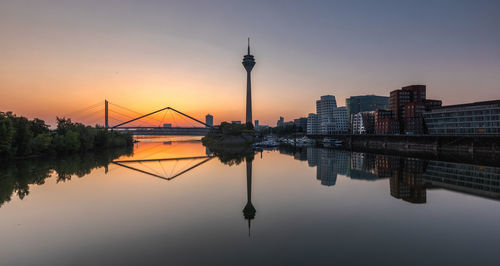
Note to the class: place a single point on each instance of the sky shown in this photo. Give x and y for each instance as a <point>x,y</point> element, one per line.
<point>61,56</point>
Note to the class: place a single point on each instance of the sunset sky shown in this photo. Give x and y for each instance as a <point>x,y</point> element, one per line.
<point>60,56</point>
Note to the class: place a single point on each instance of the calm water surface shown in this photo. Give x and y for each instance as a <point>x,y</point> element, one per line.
<point>310,207</point>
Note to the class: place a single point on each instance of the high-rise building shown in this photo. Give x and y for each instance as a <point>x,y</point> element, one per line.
<point>365,103</point>
<point>209,120</point>
<point>408,105</point>
<point>313,127</point>
<point>324,108</point>
<point>329,118</point>
<point>249,63</point>
<point>256,123</point>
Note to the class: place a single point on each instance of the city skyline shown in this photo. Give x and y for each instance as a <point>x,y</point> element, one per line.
<point>147,55</point>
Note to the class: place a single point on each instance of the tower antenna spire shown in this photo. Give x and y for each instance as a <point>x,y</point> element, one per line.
<point>249,45</point>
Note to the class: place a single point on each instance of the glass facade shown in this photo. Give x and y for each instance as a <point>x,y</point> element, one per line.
<point>365,103</point>
<point>463,119</point>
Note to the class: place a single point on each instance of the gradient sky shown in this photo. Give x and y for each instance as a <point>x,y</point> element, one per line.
<point>60,56</point>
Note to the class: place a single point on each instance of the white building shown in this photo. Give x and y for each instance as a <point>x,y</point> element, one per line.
<point>324,108</point>
<point>340,120</point>
<point>363,123</point>
<point>330,119</point>
<point>313,127</point>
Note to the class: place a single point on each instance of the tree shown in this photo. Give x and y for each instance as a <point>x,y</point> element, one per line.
<point>41,143</point>
<point>38,126</point>
<point>22,135</point>
<point>6,135</point>
<point>64,125</point>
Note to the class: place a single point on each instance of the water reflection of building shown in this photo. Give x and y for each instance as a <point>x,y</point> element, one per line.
<point>409,178</point>
<point>329,163</point>
<point>384,165</point>
<point>406,181</point>
<point>468,178</point>
<point>362,166</point>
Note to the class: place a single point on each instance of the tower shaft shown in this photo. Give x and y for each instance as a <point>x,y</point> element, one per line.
<point>249,99</point>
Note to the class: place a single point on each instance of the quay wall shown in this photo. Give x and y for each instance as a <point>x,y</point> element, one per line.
<point>421,143</point>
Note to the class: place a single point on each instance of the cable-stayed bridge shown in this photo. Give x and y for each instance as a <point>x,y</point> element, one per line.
<point>164,121</point>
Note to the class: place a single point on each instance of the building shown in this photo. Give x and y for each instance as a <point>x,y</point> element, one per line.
<point>340,121</point>
<point>413,118</point>
<point>281,122</point>
<point>300,123</point>
<point>313,127</point>
<point>236,122</point>
<point>329,119</point>
<point>363,123</point>
<point>407,106</point>
<point>256,123</point>
<point>324,108</point>
<point>463,119</point>
<point>167,125</point>
<point>365,103</point>
<point>398,100</point>
<point>209,120</point>
<point>384,123</point>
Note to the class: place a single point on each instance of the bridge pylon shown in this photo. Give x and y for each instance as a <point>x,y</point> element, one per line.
<point>106,114</point>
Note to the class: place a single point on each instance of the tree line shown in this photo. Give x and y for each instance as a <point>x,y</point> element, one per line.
<point>21,137</point>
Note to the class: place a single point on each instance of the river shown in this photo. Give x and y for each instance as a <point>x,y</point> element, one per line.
<point>170,202</point>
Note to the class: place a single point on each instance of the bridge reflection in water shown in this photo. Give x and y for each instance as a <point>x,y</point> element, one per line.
<point>249,210</point>
<point>165,176</point>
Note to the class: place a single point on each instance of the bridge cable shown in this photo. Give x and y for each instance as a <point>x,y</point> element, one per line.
<point>83,109</point>
<point>151,169</point>
<point>129,118</point>
<point>87,116</point>
<point>161,165</point>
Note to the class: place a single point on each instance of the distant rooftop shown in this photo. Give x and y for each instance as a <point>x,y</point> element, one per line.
<point>369,95</point>
<point>494,102</point>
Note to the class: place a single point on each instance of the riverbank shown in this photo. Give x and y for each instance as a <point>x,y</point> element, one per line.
<point>229,136</point>
<point>21,138</point>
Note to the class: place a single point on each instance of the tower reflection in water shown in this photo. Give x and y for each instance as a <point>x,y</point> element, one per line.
<point>249,210</point>
<point>409,178</point>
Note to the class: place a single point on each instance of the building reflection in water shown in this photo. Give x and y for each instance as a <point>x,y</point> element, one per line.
<point>409,178</point>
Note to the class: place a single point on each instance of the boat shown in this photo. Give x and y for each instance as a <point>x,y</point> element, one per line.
<point>268,142</point>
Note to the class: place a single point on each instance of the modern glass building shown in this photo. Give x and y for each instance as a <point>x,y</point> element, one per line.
<point>464,119</point>
<point>365,103</point>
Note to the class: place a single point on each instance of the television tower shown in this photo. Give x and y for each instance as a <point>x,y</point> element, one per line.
<point>248,63</point>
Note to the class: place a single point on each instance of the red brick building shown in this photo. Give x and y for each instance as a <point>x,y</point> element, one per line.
<point>407,106</point>
<point>385,123</point>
